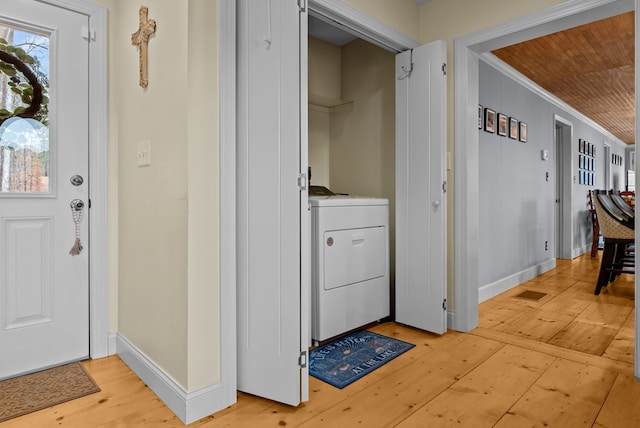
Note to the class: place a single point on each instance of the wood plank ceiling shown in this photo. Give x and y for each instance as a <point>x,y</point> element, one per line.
<point>590,67</point>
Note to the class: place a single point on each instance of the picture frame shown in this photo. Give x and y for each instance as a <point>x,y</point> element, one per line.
<point>513,128</point>
<point>502,124</point>
<point>523,132</point>
<point>489,120</point>
<point>480,116</point>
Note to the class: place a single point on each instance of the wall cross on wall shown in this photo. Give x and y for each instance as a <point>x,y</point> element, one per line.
<point>146,27</point>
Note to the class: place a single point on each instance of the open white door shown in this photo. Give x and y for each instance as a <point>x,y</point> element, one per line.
<point>421,246</point>
<point>271,203</point>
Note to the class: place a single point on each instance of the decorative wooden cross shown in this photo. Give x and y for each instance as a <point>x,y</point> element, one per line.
<point>140,38</point>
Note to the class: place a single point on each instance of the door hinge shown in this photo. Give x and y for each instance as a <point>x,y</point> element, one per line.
<point>444,304</point>
<point>302,181</point>
<point>89,203</point>
<point>302,359</point>
<point>444,186</point>
<point>302,4</point>
<point>89,34</point>
<point>444,68</point>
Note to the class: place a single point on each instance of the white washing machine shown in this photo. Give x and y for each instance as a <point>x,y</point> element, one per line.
<point>350,263</point>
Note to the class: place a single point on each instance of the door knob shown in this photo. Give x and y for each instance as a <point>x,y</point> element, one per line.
<point>435,204</point>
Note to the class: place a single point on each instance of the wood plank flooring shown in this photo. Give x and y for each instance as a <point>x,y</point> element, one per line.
<point>565,360</point>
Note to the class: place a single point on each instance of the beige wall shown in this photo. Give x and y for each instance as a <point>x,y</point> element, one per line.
<point>164,284</point>
<point>203,323</point>
<point>402,15</point>
<point>363,137</point>
<point>325,88</point>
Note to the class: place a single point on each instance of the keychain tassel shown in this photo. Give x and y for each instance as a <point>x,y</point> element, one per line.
<point>76,212</point>
<point>77,248</point>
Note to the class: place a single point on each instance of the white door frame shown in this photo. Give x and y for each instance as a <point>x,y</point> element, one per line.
<point>466,51</point>
<point>98,278</point>
<point>381,35</point>
<point>606,167</point>
<point>564,188</point>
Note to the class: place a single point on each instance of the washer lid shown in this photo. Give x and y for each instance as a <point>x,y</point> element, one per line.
<point>346,201</point>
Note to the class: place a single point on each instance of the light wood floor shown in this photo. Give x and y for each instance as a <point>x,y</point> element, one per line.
<point>563,361</point>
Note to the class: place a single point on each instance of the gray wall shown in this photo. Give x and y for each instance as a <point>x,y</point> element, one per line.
<point>517,210</point>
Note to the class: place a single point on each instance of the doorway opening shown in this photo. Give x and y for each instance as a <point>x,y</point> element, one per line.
<point>563,197</point>
<point>606,166</point>
<point>467,51</point>
<point>351,123</point>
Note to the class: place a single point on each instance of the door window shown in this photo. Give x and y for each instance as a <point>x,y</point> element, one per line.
<point>24,113</point>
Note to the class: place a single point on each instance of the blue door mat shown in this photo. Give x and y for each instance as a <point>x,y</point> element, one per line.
<point>347,359</point>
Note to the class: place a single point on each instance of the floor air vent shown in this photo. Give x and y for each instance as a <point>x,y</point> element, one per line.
<point>531,295</point>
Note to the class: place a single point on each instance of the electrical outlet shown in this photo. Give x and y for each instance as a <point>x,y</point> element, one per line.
<point>144,153</point>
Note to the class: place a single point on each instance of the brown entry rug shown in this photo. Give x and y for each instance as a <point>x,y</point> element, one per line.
<point>36,391</point>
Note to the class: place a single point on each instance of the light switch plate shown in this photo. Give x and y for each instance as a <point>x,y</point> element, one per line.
<point>144,153</point>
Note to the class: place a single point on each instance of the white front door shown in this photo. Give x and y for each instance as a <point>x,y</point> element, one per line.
<point>421,200</point>
<point>44,285</point>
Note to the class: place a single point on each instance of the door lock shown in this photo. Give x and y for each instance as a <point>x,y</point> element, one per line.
<point>76,180</point>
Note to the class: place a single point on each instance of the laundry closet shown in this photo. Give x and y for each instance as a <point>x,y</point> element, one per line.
<point>351,148</point>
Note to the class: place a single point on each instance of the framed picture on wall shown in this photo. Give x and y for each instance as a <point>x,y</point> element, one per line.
<point>480,112</point>
<point>489,120</point>
<point>502,124</point>
<point>523,132</point>
<point>513,128</point>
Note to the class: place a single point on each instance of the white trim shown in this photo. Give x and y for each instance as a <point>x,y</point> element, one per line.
<point>488,291</point>
<point>188,406</point>
<point>556,18</point>
<point>520,78</point>
<point>466,173</point>
<point>577,252</point>
<point>227,168</point>
<point>361,25</point>
<point>547,21</point>
<point>98,279</point>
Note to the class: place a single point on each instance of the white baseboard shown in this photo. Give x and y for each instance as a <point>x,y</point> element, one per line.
<point>488,291</point>
<point>577,252</point>
<point>188,406</point>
